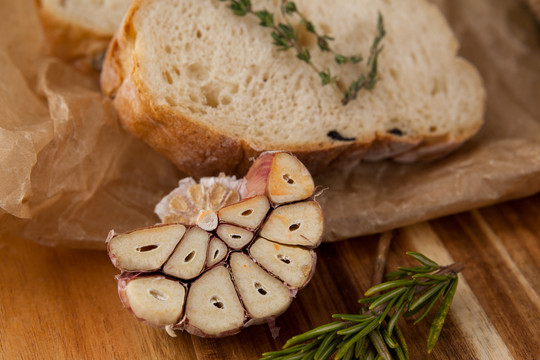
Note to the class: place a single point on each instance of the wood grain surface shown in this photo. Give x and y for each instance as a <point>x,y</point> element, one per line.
<point>62,303</point>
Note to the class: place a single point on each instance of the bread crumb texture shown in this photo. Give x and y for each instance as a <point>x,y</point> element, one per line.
<point>196,60</point>
<point>100,16</point>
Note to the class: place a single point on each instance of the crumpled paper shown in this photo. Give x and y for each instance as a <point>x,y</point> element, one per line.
<point>70,173</point>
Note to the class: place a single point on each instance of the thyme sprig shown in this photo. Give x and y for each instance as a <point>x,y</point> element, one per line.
<point>285,36</point>
<point>372,333</point>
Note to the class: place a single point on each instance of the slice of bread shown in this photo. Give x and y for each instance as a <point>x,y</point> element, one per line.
<point>209,90</point>
<point>78,29</point>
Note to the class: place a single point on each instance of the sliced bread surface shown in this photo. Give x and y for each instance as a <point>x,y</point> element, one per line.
<point>80,28</point>
<point>209,90</point>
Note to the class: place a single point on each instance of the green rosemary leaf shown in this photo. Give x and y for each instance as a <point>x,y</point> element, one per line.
<point>297,356</point>
<point>430,305</point>
<point>393,320</point>
<point>355,328</point>
<point>351,317</point>
<point>315,343</point>
<point>402,342</point>
<point>389,340</point>
<point>416,269</point>
<point>327,344</point>
<point>388,285</point>
<point>367,335</point>
<point>387,310</point>
<point>282,352</point>
<point>361,348</point>
<point>400,354</point>
<point>438,322</point>
<point>350,353</point>
<point>370,355</point>
<point>328,351</point>
<point>309,355</point>
<point>422,299</point>
<point>314,333</point>
<point>366,330</point>
<point>405,297</point>
<point>434,276</point>
<point>387,297</point>
<point>422,259</point>
<point>380,345</point>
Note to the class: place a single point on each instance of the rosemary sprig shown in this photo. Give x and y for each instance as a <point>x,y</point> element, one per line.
<point>285,37</point>
<point>372,333</point>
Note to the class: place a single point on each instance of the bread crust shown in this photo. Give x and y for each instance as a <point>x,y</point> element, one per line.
<point>202,151</point>
<point>70,41</point>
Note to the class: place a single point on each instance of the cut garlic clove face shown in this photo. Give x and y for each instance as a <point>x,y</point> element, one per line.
<point>213,307</point>
<point>247,213</point>
<point>155,299</point>
<point>289,180</point>
<point>235,237</point>
<point>295,224</point>
<point>263,295</point>
<point>145,249</point>
<point>217,251</point>
<point>292,264</point>
<point>189,258</point>
<point>220,276</point>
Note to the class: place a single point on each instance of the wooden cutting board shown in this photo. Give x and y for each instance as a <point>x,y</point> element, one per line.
<point>63,304</point>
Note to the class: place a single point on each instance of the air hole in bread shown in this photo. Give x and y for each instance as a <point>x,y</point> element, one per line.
<point>193,97</point>
<point>168,49</point>
<point>212,95</point>
<point>167,76</point>
<point>196,72</point>
<point>171,101</point>
<point>225,100</point>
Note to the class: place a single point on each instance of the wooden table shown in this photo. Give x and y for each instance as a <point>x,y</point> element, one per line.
<point>62,303</point>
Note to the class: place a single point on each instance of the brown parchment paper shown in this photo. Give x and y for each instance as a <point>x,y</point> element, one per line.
<point>69,173</point>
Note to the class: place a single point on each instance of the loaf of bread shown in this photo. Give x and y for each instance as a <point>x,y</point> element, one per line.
<point>210,91</point>
<point>80,29</point>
